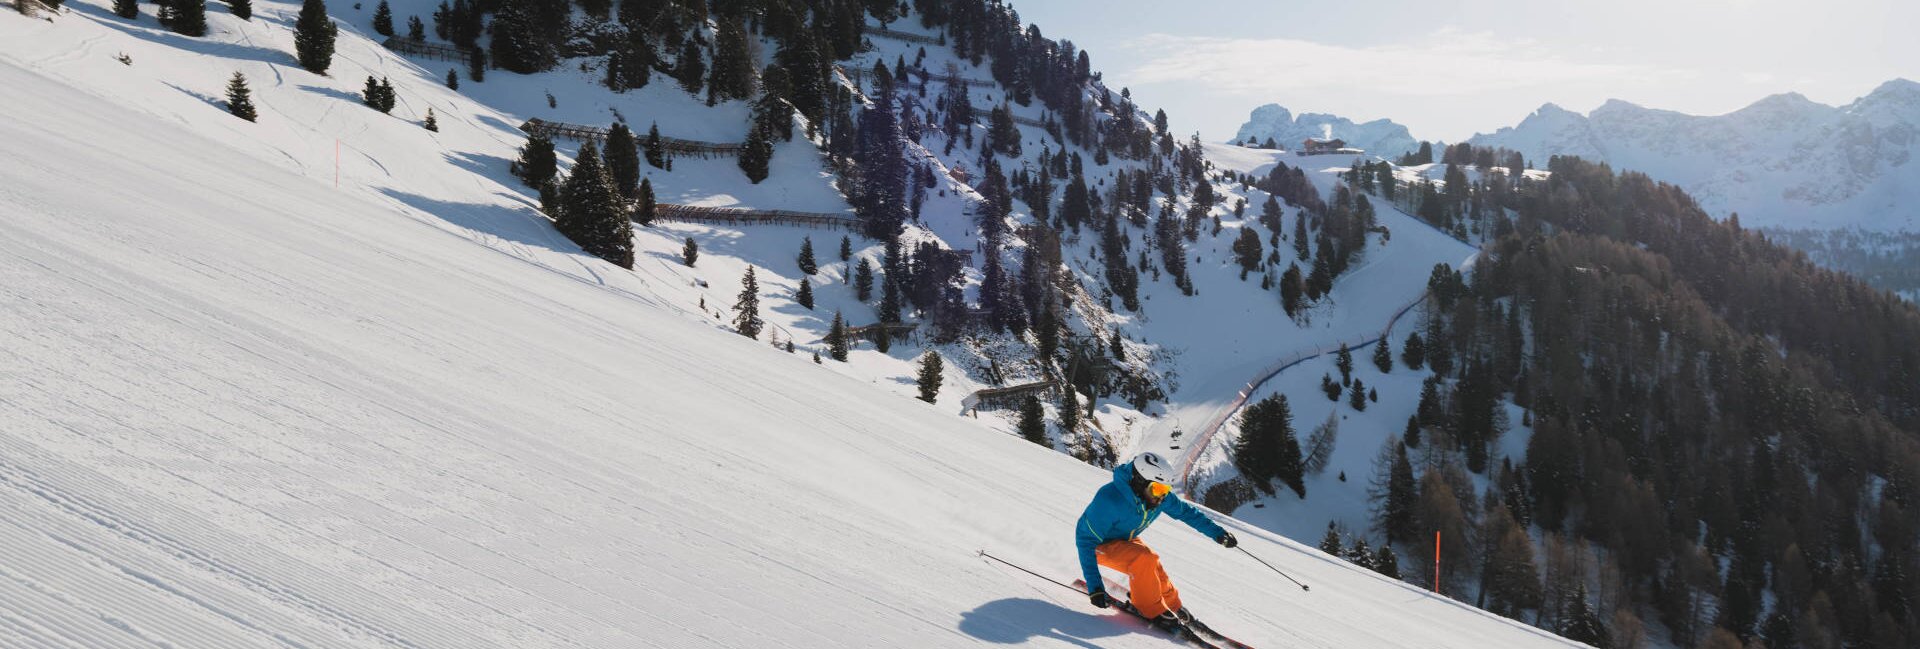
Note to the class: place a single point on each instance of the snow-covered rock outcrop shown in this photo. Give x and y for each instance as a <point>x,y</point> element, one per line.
<point>1380,137</point>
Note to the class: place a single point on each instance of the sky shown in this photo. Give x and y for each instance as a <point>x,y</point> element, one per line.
<point>1450,68</point>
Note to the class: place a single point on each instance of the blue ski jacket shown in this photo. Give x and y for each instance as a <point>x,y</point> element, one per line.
<point>1116,515</point>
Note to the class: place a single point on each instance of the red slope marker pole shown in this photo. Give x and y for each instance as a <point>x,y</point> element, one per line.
<point>1436,562</point>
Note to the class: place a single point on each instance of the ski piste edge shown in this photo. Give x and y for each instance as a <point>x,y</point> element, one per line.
<point>1121,600</point>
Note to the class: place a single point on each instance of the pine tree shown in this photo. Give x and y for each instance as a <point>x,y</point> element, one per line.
<point>1246,251</point>
<point>239,98</point>
<point>889,298</point>
<point>522,39</point>
<point>1344,361</point>
<point>537,164</point>
<point>1414,352</point>
<point>1069,411</point>
<point>372,95</point>
<point>1357,396</point>
<point>846,248</point>
<point>1412,433</point>
<point>477,66</point>
<point>1394,516</point>
<point>746,312</point>
<point>805,260</point>
<point>804,295</point>
<point>416,30</point>
<point>1267,448</point>
<point>186,17</point>
<point>732,63</point>
<point>837,343</point>
<point>756,154</point>
<point>1582,624</point>
<point>690,252</point>
<point>313,37</point>
<point>805,75</point>
<point>383,19</point>
<point>388,98</point>
<point>1382,356</point>
<point>453,79</point>
<point>643,203</point>
<point>929,380</point>
<point>431,124</point>
<point>126,8</point>
<point>591,212</point>
<point>1292,289</point>
<point>656,153</point>
<point>863,280</point>
<point>623,160</point>
<point>1330,543</point>
<point>691,68</point>
<point>1033,421</point>
<point>242,9</point>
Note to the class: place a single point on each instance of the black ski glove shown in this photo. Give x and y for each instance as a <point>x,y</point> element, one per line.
<point>1099,598</point>
<point>1226,539</point>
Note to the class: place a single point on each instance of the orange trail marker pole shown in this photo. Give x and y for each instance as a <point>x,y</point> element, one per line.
<point>1436,561</point>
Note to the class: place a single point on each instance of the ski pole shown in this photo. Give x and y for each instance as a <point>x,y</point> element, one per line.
<point>1030,572</point>
<point>1269,566</point>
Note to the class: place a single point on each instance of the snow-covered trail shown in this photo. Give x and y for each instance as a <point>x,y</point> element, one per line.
<point>241,409</point>
<point>1367,301</point>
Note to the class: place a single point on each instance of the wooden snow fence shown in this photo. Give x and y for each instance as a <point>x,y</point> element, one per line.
<point>1010,397</point>
<point>951,79</point>
<point>674,147</point>
<point>901,36</point>
<point>405,45</point>
<point>872,333</point>
<point>1029,121</point>
<point>744,216</point>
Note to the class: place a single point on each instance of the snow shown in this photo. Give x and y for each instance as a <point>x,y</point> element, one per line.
<point>243,408</point>
<point>1250,345</point>
<point>255,396</point>
<point>1784,161</point>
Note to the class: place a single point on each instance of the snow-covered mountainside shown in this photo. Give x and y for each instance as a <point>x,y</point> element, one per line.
<point>1381,137</point>
<point>1784,161</point>
<point>245,408</point>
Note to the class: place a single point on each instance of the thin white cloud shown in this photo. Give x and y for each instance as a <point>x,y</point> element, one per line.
<point>1448,62</point>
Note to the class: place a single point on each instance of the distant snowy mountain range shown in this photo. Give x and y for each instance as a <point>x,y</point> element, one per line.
<point>1380,137</point>
<point>1784,161</point>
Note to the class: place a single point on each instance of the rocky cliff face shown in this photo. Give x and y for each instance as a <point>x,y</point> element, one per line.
<point>1379,137</point>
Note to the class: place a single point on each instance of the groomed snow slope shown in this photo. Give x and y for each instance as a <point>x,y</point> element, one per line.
<point>239,408</point>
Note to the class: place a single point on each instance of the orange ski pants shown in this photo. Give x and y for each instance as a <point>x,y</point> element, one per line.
<point>1152,593</point>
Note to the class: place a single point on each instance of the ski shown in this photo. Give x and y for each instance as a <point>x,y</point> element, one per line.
<point>1190,634</point>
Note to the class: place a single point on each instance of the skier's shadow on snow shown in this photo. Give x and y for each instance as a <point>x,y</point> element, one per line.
<point>1017,620</point>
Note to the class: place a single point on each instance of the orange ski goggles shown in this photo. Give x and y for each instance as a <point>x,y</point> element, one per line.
<point>1159,489</point>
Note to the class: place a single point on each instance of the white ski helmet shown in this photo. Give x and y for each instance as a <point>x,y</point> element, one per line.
<point>1153,468</point>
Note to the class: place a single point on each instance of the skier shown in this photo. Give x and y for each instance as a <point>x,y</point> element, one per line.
<point>1109,535</point>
